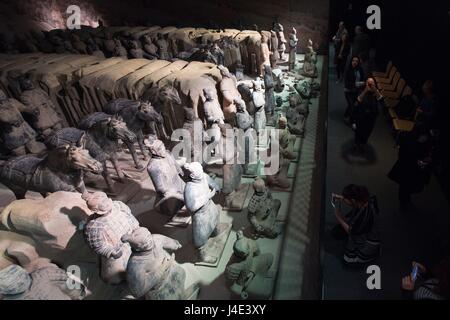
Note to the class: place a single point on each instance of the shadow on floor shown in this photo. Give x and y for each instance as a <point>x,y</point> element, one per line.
<point>364,157</point>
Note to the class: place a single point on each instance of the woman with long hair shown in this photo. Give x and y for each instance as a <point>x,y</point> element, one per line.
<point>354,80</point>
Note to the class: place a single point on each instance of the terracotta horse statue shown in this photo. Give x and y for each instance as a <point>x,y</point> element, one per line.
<point>99,133</point>
<point>136,115</point>
<point>164,99</point>
<point>60,169</point>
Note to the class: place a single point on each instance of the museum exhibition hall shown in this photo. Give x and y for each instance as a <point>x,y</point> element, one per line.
<point>223,150</point>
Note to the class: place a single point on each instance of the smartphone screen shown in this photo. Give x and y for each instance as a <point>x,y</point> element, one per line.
<point>415,272</point>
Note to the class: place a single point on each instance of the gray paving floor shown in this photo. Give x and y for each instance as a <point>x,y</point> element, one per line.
<point>418,236</point>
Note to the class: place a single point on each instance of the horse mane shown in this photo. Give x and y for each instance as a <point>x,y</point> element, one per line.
<point>53,160</point>
<point>151,94</point>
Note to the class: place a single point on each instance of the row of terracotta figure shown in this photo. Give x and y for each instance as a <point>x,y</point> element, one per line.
<point>227,47</point>
<point>245,105</point>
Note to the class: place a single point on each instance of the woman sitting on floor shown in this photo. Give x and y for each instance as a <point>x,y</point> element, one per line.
<point>359,225</point>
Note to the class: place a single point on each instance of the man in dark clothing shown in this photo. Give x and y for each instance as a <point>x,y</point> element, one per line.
<point>412,169</point>
<point>353,81</point>
<point>361,43</point>
<point>365,113</point>
<point>428,106</point>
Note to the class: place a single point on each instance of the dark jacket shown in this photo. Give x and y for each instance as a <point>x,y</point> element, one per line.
<point>361,44</point>
<point>368,107</point>
<point>406,170</point>
<point>350,78</point>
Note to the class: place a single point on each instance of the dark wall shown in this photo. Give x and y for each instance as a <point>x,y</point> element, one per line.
<point>416,36</point>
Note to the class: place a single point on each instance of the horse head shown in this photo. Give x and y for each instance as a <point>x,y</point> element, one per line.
<point>148,113</point>
<point>78,158</point>
<point>117,129</point>
<point>169,93</point>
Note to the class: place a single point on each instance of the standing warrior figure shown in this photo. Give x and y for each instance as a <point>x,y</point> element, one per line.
<point>103,232</point>
<point>228,87</point>
<point>197,135</point>
<point>244,120</point>
<point>293,41</point>
<point>119,50</point>
<point>211,106</point>
<point>265,54</point>
<point>149,47</point>
<point>259,102</point>
<point>274,55</point>
<point>269,87</point>
<point>279,30</point>
<point>163,47</point>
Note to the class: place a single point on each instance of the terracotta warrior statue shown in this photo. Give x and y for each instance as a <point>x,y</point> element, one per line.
<point>279,30</point>
<point>119,50</point>
<point>137,53</point>
<point>45,118</point>
<point>58,44</point>
<point>274,55</point>
<point>232,170</point>
<point>166,175</point>
<point>287,140</point>
<point>297,102</point>
<point>163,47</point>
<point>93,49</point>
<point>198,194</point>
<point>250,274</point>
<point>16,135</point>
<point>108,44</point>
<point>293,41</point>
<point>259,102</point>
<point>246,94</point>
<point>152,272</point>
<point>286,145</point>
<point>228,87</point>
<point>244,120</point>
<point>269,90</point>
<point>45,283</point>
<point>149,47</point>
<point>212,109</point>
<point>265,54</point>
<point>309,66</point>
<point>198,135</point>
<point>295,116</point>
<point>103,232</point>
<point>263,211</point>
<point>79,45</point>
<point>217,52</point>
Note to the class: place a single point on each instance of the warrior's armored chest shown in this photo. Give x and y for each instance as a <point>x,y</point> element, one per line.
<point>258,202</point>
